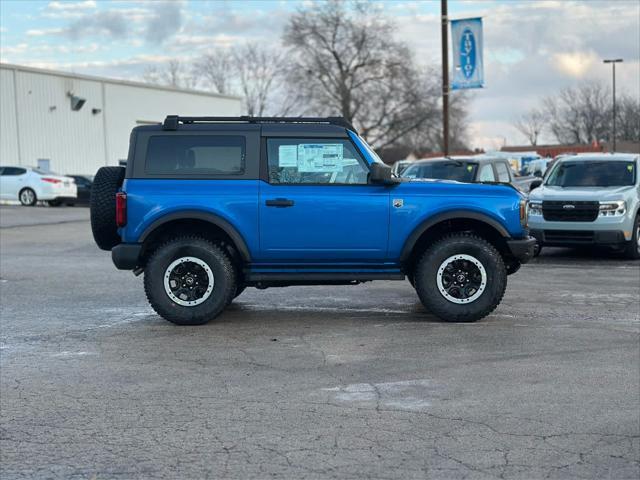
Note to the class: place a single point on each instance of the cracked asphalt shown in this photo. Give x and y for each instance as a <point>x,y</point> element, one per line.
<point>312,382</point>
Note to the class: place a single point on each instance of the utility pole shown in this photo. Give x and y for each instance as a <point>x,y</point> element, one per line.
<point>445,77</point>
<point>613,62</point>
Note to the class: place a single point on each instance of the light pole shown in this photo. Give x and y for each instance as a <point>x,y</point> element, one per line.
<point>445,77</point>
<point>613,62</point>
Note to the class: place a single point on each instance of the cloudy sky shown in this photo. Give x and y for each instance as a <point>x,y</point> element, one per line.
<point>532,48</point>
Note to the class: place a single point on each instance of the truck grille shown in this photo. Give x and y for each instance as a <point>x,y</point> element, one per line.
<point>568,236</point>
<point>571,211</point>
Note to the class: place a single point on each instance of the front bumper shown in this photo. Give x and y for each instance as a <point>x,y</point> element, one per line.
<point>126,255</point>
<point>522,249</point>
<point>562,238</point>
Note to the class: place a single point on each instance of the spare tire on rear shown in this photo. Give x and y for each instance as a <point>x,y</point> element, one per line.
<point>106,184</point>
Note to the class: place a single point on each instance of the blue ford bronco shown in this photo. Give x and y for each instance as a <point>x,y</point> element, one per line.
<point>208,206</point>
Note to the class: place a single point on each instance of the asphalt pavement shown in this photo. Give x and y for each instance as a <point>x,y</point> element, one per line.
<point>311,382</point>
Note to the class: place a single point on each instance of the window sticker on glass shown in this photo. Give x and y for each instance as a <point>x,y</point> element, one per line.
<point>288,156</point>
<point>320,157</point>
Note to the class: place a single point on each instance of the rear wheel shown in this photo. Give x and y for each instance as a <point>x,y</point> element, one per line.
<point>632,249</point>
<point>189,280</point>
<point>27,197</point>
<point>461,278</point>
<point>107,182</point>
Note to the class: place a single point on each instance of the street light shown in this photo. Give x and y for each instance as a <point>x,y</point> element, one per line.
<point>613,62</point>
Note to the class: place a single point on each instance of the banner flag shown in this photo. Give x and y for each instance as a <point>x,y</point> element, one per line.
<point>468,67</point>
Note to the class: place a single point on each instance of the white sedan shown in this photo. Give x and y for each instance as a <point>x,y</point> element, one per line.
<point>28,185</point>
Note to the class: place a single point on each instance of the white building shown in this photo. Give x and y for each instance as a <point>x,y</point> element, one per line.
<point>74,124</point>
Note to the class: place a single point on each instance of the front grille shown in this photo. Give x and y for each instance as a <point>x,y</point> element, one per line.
<point>568,236</point>
<point>570,211</point>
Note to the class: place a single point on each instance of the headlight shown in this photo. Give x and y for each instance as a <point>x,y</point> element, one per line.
<point>535,208</point>
<point>613,209</point>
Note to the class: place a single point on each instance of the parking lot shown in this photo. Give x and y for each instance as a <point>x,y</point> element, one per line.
<point>311,382</point>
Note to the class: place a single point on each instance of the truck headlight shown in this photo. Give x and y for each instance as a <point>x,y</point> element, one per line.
<point>535,208</point>
<point>613,209</point>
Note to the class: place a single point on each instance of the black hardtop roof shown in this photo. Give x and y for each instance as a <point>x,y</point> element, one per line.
<point>272,126</point>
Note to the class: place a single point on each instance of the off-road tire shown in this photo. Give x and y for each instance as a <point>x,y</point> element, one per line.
<point>106,184</point>
<point>28,203</point>
<point>455,244</point>
<point>220,264</point>
<point>632,250</point>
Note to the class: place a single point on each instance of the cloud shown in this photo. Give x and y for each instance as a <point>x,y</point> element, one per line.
<point>44,32</point>
<point>84,5</point>
<point>166,21</point>
<point>575,64</point>
<point>112,23</point>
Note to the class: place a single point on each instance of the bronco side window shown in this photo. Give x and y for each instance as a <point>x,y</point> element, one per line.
<point>315,161</point>
<point>195,155</point>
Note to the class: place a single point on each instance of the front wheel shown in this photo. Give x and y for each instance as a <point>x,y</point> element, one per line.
<point>189,280</point>
<point>632,250</point>
<point>461,278</point>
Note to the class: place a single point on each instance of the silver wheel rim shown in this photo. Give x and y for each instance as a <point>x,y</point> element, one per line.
<point>188,281</point>
<point>461,279</point>
<point>27,196</point>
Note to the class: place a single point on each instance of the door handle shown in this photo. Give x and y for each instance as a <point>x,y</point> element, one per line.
<point>279,202</point>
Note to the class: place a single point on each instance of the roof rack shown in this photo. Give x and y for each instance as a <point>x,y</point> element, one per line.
<point>172,121</point>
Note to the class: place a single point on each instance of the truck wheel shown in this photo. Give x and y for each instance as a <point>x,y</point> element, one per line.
<point>189,280</point>
<point>27,197</point>
<point>107,182</point>
<point>461,278</point>
<point>537,248</point>
<point>632,250</point>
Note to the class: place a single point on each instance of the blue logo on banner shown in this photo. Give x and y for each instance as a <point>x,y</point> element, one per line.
<point>468,53</point>
<point>468,67</point>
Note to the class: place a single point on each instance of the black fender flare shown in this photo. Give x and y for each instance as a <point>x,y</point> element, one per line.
<point>448,215</point>
<point>216,220</point>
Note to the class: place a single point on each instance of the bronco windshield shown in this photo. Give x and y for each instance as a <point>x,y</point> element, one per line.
<point>593,174</point>
<point>451,170</point>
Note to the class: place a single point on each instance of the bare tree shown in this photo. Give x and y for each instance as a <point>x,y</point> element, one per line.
<point>258,71</point>
<point>174,74</point>
<point>215,70</point>
<point>531,125</point>
<point>344,60</point>
<point>579,114</point>
<point>628,118</point>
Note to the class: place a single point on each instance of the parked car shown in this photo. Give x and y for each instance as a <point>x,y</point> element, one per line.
<point>28,185</point>
<point>590,199</point>
<point>473,169</point>
<point>400,166</point>
<point>207,207</point>
<point>83,183</point>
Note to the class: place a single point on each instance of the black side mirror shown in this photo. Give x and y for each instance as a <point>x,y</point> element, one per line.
<point>381,173</point>
<point>537,173</point>
<point>535,184</point>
